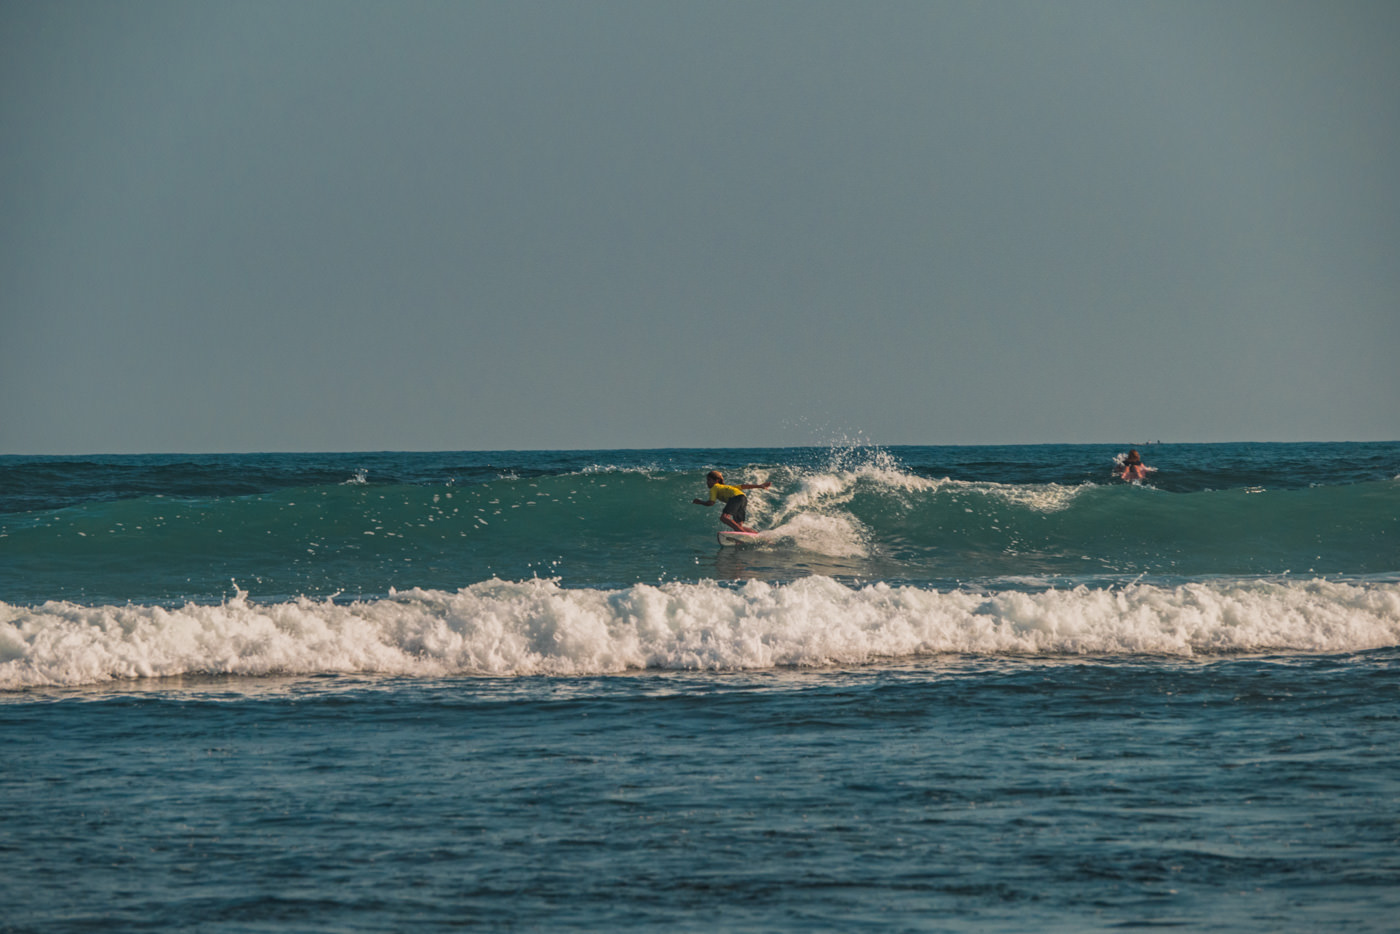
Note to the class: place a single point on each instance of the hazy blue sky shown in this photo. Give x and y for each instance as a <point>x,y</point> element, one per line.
<point>340,225</point>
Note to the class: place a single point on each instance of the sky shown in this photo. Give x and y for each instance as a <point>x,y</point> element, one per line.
<point>434,225</point>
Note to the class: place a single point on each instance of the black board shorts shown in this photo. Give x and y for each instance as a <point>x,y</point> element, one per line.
<point>737,508</point>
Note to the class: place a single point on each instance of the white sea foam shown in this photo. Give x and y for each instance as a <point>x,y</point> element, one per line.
<point>1046,497</point>
<point>536,627</point>
<point>831,490</point>
<point>836,536</point>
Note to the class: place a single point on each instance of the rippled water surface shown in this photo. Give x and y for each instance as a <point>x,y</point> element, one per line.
<point>1255,794</point>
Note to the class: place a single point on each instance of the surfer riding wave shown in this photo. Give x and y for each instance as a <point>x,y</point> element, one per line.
<point>736,503</point>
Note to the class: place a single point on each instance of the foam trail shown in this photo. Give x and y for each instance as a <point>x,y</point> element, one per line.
<point>536,627</point>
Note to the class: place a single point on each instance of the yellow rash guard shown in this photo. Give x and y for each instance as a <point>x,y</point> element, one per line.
<point>724,493</point>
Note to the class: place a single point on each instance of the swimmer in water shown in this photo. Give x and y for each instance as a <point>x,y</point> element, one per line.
<point>1133,467</point>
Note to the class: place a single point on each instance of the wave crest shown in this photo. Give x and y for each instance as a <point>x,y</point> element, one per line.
<point>536,627</point>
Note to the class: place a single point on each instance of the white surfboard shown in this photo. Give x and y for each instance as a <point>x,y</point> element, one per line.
<point>738,539</point>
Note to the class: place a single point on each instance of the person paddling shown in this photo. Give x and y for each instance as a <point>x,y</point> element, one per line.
<point>735,502</point>
<point>1133,467</point>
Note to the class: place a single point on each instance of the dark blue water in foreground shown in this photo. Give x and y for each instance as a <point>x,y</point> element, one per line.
<point>964,689</point>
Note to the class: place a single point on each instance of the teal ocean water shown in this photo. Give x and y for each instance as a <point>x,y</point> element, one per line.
<point>953,688</point>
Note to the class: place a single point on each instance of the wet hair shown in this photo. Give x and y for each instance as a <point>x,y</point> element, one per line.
<point>1134,457</point>
<point>714,476</point>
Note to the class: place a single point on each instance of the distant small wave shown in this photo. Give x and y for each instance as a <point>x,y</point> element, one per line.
<point>164,530</point>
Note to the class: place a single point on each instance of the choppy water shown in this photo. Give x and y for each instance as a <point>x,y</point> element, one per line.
<point>962,689</point>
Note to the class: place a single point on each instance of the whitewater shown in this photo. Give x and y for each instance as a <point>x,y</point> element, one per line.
<point>536,627</point>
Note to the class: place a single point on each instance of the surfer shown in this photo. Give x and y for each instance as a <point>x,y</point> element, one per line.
<point>735,502</point>
<point>1133,467</point>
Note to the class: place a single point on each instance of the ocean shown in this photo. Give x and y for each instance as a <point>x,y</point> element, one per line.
<point>952,689</point>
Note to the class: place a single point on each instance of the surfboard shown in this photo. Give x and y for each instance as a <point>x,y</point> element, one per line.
<point>738,539</point>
